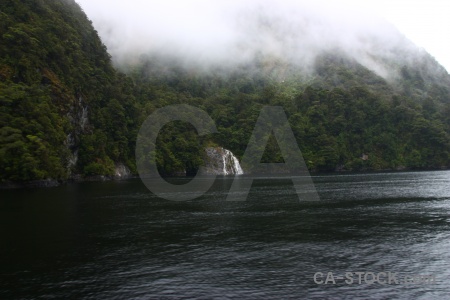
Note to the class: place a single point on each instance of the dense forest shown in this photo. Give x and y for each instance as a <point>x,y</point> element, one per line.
<point>334,126</point>
<point>66,111</point>
<point>64,108</point>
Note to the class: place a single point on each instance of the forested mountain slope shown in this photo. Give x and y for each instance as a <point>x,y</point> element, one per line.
<point>63,107</point>
<point>65,110</point>
<point>335,121</point>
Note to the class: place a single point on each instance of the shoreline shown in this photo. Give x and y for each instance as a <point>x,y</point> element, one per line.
<point>50,183</point>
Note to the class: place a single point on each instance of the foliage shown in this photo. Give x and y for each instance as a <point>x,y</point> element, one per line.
<point>334,126</point>
<point>53,67</point>
<point>60,97</point>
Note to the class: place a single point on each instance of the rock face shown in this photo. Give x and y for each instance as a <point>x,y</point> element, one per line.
<point>220,161</point>
<point>78,116</point>
<point>121,171</point>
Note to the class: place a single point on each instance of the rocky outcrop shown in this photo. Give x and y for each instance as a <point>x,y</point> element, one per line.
<point>121,171</point>
<point>78,116</point>
<point>220,161</point>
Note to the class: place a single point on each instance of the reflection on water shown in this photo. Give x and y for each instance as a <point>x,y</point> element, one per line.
<point>117,240</point>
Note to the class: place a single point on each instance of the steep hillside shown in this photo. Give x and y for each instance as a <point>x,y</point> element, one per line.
<point>357,98</point>
<point>344,117</point>
<point>64,109</point>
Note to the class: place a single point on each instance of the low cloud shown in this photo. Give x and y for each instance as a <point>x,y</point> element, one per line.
<point>232,32</point>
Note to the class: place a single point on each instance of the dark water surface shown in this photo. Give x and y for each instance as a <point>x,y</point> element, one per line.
<point>116,240</point>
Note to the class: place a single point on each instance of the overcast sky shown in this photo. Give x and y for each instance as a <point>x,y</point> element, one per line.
<point>426,23</point>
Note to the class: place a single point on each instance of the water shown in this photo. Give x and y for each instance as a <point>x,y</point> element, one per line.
<point>117,240</point>
<point>235,165</point>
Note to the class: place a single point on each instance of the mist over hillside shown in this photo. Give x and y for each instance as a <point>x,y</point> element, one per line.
<point>293,36</point>
<point>351,85</point>
<point>349,81</point>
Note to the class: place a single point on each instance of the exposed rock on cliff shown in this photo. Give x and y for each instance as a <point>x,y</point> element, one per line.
<point>220,161</point>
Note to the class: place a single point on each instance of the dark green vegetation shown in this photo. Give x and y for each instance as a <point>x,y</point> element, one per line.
<point>334,126</point>
<point>54,71</point>
<point>65,110</point>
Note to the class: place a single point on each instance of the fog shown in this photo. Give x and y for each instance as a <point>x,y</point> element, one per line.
<point>233,32</point>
